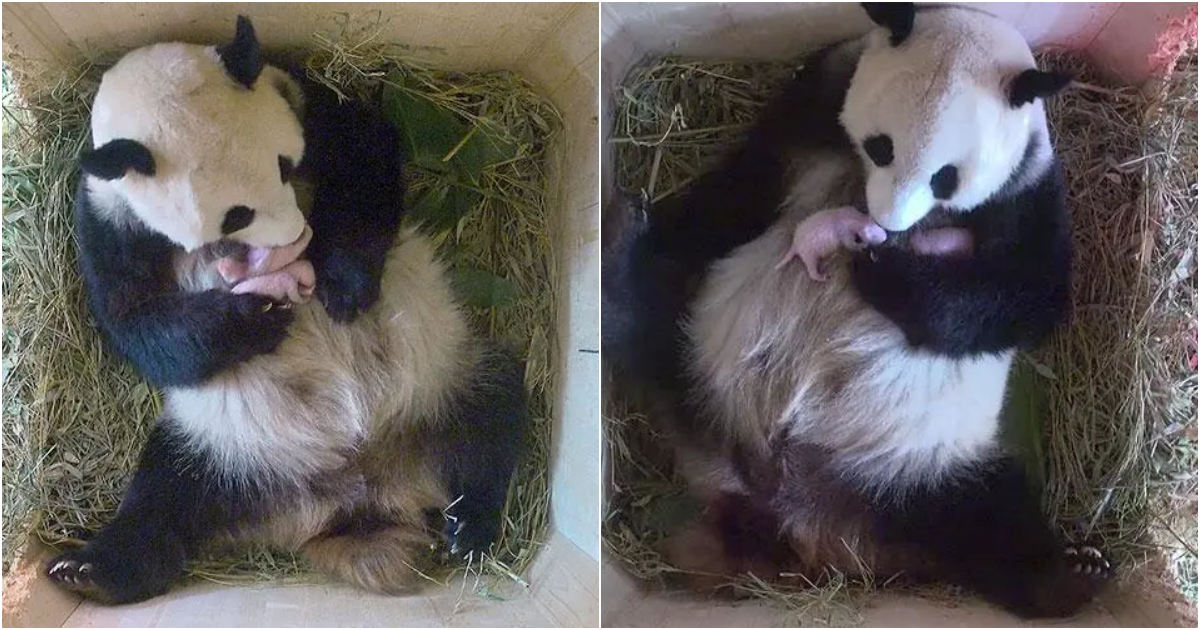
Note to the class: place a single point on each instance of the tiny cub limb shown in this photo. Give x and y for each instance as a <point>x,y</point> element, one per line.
<point>824,232</point>
<point>276,272</point>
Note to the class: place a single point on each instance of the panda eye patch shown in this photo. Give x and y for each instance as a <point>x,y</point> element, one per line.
<point>237,218</point>
<point>944,182</point>
<point>286,166</point>
<point>879,149</point>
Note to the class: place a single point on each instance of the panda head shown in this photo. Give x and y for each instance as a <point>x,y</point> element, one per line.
<point>945,109</point>
<point>199,143</point>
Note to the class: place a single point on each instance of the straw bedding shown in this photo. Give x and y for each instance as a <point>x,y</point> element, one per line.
<point>1105,414</point>
<point>75,416</point>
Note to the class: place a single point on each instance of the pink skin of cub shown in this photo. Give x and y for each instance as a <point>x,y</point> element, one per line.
<point>821,234</point>
<point>274,272</point>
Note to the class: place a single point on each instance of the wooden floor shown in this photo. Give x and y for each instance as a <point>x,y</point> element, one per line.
<point>563,592</point>
<point>628,605</point>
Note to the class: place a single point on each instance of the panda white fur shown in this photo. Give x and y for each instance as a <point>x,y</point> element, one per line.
<point>343,427</point>
<point>853,424</point>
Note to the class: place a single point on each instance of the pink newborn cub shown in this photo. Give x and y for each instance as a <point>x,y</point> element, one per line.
<point>275,272</point>
<point>821,234</point>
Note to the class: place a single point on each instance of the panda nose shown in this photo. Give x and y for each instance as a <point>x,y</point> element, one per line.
<point>900,210</point>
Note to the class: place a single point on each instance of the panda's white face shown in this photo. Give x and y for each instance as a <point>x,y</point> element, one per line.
<point>222,152</point>
<point>932,116</point>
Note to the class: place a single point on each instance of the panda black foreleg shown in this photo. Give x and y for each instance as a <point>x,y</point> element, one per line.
<point>1014,291</point>
<point>172,507</point>
<point>353,158</point>
<point>985,530</point>
<point>965,307</point>
<point>172,337</point>
<point>480,451</point>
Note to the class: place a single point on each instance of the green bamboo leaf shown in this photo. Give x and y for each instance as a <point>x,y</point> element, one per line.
<point>483,149</point>
<point>427,131</point>
<point>482,289</point>
<point>1021,419</point>
<point>441,207</point>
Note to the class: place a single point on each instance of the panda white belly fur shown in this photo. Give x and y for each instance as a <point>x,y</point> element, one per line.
<point>779,354</point>
<point>304,410</point>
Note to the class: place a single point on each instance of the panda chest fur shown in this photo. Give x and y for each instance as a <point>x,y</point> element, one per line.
<point>331,389</point>
<point>783,359</point>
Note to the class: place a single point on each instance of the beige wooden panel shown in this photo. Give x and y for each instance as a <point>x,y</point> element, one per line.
<point>461,36</point>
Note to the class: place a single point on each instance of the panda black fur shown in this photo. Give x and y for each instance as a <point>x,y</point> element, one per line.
<point>344,427</point>
<point>853,424</point>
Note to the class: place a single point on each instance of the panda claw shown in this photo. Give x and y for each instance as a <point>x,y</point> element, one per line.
<point>1088,561</point>
<point>72,573</point>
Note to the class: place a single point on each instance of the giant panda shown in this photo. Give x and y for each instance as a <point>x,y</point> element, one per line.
<point>848,420</point>
<point>362,428</point>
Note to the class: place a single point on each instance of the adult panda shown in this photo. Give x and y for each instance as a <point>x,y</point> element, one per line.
<point>336,427</point>
<point>852,423</point>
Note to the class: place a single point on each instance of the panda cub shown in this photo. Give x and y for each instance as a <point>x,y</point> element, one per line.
<point>844,413</point>
<point>336,426</point>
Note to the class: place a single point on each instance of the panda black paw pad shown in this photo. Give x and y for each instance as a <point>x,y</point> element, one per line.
<point>1087,561</point>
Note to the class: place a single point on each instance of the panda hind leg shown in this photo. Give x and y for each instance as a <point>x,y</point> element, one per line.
<point>733,537</point>
<point>986,531</point>
<point>376,554</point>
<point>173,506</point>
<point>479,449</point>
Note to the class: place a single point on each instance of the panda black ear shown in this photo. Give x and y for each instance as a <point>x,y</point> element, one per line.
<point>116,158</point>
<point>897,17</point>
<point>241,56</point>
<point>1033,84</point>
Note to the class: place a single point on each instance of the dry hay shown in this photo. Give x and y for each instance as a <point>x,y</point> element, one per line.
<point>75,416</point>
<point>1120,428</point>
<point>1115,444</point>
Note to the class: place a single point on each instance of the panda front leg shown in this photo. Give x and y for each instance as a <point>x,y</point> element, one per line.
<point>354,160</point>
<point>173,506</point>
<point>985,530</point>
<point>481,447</point>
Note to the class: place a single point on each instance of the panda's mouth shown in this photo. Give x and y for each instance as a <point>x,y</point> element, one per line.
<point>260,261</point>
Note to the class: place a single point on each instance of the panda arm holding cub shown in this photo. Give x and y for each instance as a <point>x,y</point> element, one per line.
<point>140,208</point>
<point>353,159</point>
<point>1012,291</point>
<point>173,337</point>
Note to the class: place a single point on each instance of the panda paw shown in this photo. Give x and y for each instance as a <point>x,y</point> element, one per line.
<point>262,323</point>
<point>469,537</point>
<point>1087,561</point>
<point>1076,576</point>
<point>78,572</point>
<point>346,285</point>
